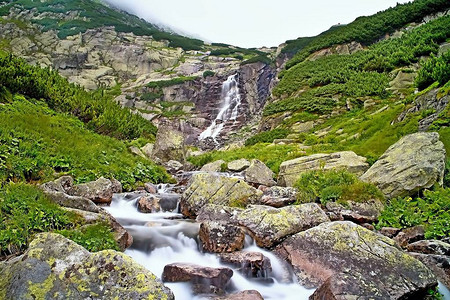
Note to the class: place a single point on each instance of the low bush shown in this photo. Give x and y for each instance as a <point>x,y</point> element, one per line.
<point>94,238</point>
<point>267,136</point>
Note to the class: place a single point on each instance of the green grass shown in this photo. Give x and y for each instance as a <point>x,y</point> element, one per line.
<point>174,81</point>
<point>38,144</point>
<point>267,136</point>
<point>25,211</point>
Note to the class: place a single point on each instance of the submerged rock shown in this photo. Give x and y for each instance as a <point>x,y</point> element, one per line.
<point>219,237</point>
<point>148,204</point>
<point>269,226</point>
<point>250,264</point>
<point>291,170</point>
<point>204,280</point>
<point>56,268</point>
<point>415,162</point>
<point>347,261</point>
<point>211,188</point>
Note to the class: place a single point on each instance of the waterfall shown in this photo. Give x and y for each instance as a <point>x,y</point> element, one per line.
<point>231,100</point>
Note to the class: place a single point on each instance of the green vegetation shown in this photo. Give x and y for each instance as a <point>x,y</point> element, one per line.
<point>95,14</point>
<point>25,211</point>
<point>256,59</point>
<point>334,185</point>
<point>174,81</point>
<point>435,69</point>
<point>431,210</point>
<point>366,30</point>
<point>37,142</point>
<point>208,73</point>
<point>96,109</point>
<point>267,136</point>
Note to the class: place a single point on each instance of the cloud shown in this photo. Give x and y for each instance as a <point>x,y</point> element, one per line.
<point>251,23</point>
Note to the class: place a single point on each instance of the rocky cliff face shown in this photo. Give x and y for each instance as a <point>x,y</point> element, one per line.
<point>103,57</point>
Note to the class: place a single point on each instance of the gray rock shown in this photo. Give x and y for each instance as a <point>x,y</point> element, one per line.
<point>439,264</point>
<point>56,268</point>
<point>219,237</point>
<point>347,261</point>
<point>148,150</point>
<point>204,280</point>
<point>415,162</point>
<point>99,191</point>
<point>250,264</point>
<point>430,247</point>
<point>136,151</point>
<point>244,295</point>
<point>358,212</point>
<point>59,185</point>
<point>169,144</point>
<point>148,204</point>
<point>211,188</point>
<point>269,226</point>
<point>219,213</point>
<point>238,165</point>
<point>291,170</point>
<point>65,200</point>
<point>215,166</point>
<point>259,173</point>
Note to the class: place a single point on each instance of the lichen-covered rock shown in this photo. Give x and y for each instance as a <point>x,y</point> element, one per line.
<point>218,213</point>
<point>204,280</point>
<point>439,264</point>
<point>99,191</point>
<point>61,185</point>
<point>291,170</point>
<point>278,196</point>
<point>352,261</point>
<point>65,200</point>
<point>215,166</point>
<point>244,295</point>
<point>136,151</point>
<point>259,173</point>
<point>269,226</point>
<point>56,268</point>
<point>219,237</point>
<point>415,162</point>
<point>238,165</point>
<point>169,145</point>
<point>250,264</point>
<point>211,188</point>
<point>148,150</point>
<point>358,212</point>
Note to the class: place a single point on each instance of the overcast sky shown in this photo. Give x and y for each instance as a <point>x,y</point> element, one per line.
<point>252,23</point>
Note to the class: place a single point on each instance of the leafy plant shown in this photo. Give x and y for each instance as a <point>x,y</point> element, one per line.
<point>94,238</point>
<point>267,136</point>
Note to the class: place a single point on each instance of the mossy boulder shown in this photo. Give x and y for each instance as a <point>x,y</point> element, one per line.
<point>169,145</point>
<point>347,261</point>
<point>269,226</point>
<point>215,166</point>
<point>212,188</point>
<point>56,268</point>
<point>415,162</point>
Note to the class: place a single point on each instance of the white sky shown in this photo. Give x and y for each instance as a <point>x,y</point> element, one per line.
<point>251,23</point>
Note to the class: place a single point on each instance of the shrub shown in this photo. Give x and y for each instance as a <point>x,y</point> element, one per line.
<point>94,238</point>
<point>334,185</point>
<point>434,69</point>
<point>208,73</point>
<point>267,136</point>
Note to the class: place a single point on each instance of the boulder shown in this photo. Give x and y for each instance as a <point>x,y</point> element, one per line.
<point>219,213</point>
<point>148,150</point>
<point>54,267</point>
<point>278,196</point>
<point>61,185</point>
<point>259,173</point>
<point>169,145</point>
<point>291,170</point>
<point>173,166</point>
<point>99,191</point>
<point>65,200</point>
<point>238,165</point>
<point>430,247</point>
<point>390,232</point>
<point>148,204</point>
<point>215,166</point>
<point>244,295</point>
<point>250,264</point>
<point>269,226</point>
<point>211,188</point>
<point>136,151</point>
<point>150,188</point>
<point>439,264</point>
<point>204,280</point>
<point>347,261</point>
<point>415,162</point>
<point>358,212</point>
<point>410,235</point>
<point>219,237</point>
<point>168,202</point>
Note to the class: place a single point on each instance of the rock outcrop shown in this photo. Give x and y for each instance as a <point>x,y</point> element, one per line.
<point>211,188</point>
<point>347,261</point>
<point>415,162</point>
<point>291,170</point>
<point>56,268</point>
<point>258,173</point>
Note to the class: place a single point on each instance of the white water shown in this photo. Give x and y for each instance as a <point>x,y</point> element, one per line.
<point>159,241</point>
<point>231,101</point>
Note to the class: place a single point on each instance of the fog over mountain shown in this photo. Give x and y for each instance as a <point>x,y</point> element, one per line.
<point>251,23</point>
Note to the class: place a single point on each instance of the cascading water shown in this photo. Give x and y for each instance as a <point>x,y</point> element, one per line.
<point>231,101</point>
<point>164,238</point>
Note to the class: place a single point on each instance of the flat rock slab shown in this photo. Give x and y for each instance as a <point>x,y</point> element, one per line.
<point>346,261</point>
<point>269,226</point>
<point>291,170</point>
<point>204,280</point>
